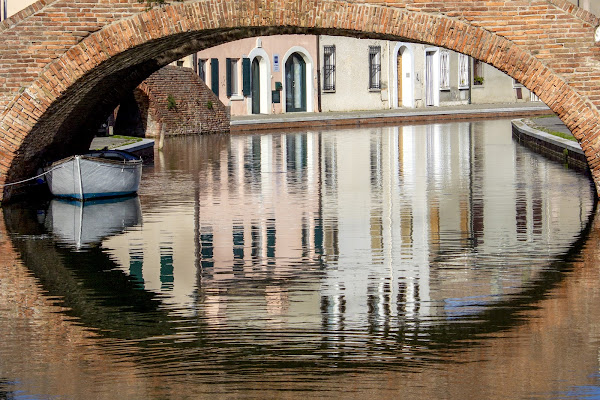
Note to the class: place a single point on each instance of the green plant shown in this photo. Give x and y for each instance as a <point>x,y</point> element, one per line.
<point>152,3</point>
<point>209,105</point>
<point>171,102</point>
<point>478,80</point>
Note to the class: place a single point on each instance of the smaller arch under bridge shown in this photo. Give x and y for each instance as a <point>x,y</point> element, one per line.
<point>65,64</point>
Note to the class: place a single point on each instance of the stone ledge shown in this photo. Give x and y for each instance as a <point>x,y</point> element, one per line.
<point>553,147</point>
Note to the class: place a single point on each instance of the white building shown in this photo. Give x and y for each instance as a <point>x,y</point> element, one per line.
<point>360,74</point>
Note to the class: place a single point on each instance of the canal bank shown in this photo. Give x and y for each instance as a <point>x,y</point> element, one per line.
<point>550,137</point>
<point>308,120</point>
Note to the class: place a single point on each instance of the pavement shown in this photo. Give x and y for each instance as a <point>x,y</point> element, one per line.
<point>265,121</point>
<point>312,119</point>
<point>551,123</point>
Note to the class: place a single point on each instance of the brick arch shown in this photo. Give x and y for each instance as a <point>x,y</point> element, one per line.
<point>56,106</point>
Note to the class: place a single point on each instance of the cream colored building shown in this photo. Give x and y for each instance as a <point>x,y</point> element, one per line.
<point>11,7</point>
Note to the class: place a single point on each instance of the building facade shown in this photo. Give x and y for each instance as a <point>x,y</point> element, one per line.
<point>265,75</point>
<point>346,74</point>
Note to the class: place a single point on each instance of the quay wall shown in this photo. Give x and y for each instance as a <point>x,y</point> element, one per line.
<point>553,147</point>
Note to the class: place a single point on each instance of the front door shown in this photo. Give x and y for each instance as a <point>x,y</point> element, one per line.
<point>429,83</point>
<point>295,84</point>
<point>255,83</point>
<point>400,78</point>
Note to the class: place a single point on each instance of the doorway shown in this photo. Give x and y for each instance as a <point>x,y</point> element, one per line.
<point>255,86</point>
<point>429,79</point>
<point>295,83</point>
<point>400,78</point>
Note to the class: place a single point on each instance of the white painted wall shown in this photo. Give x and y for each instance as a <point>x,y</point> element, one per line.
<point>352,75</point>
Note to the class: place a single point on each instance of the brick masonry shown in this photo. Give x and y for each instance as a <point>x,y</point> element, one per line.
<point>194,108</point>
<point>66,63</point>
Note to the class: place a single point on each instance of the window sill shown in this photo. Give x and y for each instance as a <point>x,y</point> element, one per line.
<point>328,90</point>
<point>236,97</point>
<point>374,90</point>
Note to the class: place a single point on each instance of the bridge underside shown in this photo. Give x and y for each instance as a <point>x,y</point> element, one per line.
<point>63,80</point>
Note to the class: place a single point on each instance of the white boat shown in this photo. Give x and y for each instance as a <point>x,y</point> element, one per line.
<point>97,174</point>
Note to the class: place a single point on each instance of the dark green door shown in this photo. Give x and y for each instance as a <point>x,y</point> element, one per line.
<point>255,82</point>
<point>295,84</point>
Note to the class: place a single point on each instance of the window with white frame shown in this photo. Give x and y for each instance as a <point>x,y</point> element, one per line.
<point>444,70</point>
<point>375,67</point>
<point>463,71</point>
<point>329,68</point>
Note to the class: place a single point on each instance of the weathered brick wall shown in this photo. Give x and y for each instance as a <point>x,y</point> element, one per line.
<point>65,63</point>
<point>197,110</point>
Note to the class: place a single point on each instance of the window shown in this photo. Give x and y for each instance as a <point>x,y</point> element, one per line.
<point>232,72</point>
<point>463,71</point>
<point>517,84</point>
<point>202,69</point>
<point>180,63</point>
<point>214,75</point>
<point>374,67</point>
<point>477,72</point>
<point>246,76</point>
<point>329,68</point>
<point>445,70</point>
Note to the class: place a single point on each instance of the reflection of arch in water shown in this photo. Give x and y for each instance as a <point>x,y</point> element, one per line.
<point>106,300</point>
<point>95,292</point>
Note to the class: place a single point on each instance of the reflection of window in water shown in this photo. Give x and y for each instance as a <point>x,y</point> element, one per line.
<point>136,265</point>
<point>379,300</point>
<point>271,233</point>
<point>166,268</point>
<point>206,250</point>
<point>238,248</point>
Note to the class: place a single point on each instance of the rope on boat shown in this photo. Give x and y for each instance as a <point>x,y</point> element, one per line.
<point>31,179</point>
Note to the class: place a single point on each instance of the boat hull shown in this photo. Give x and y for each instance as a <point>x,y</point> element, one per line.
<point>86,178</point>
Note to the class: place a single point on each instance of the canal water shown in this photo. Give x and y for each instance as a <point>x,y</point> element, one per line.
<point>428,261</point>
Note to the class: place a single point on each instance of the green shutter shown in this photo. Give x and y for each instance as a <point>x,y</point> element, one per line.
<point>246,76</point>
<point>228,76</point>
<point>214,75</point>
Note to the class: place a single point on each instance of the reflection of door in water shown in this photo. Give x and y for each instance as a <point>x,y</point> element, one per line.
<point>429,88</point>
<point>295,84</point>
<point>400,78</point>
<point>255,82</point>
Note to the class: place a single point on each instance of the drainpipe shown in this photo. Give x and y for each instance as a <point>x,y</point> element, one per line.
<point>319,73</point>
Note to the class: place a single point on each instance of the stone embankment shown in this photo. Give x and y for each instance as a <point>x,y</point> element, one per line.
<point>534,134</point>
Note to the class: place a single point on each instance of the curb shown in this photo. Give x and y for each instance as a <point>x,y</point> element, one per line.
<point>554,147</point>
<point>358,118</point>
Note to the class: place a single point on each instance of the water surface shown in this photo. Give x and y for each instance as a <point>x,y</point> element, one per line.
<point>435,261</point>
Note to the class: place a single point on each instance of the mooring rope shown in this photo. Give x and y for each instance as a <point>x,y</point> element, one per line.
<point>30,179</point>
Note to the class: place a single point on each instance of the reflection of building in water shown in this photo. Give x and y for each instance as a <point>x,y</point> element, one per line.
<point>255,217</point>
<point>422,209</point>
<point>345,228</point>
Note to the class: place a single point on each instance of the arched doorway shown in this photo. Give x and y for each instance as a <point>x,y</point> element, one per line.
<point>400,75</point>
<point>255,86</point>
<point>295,83</point>
<point>404,95</point>
<point>260,81</point>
